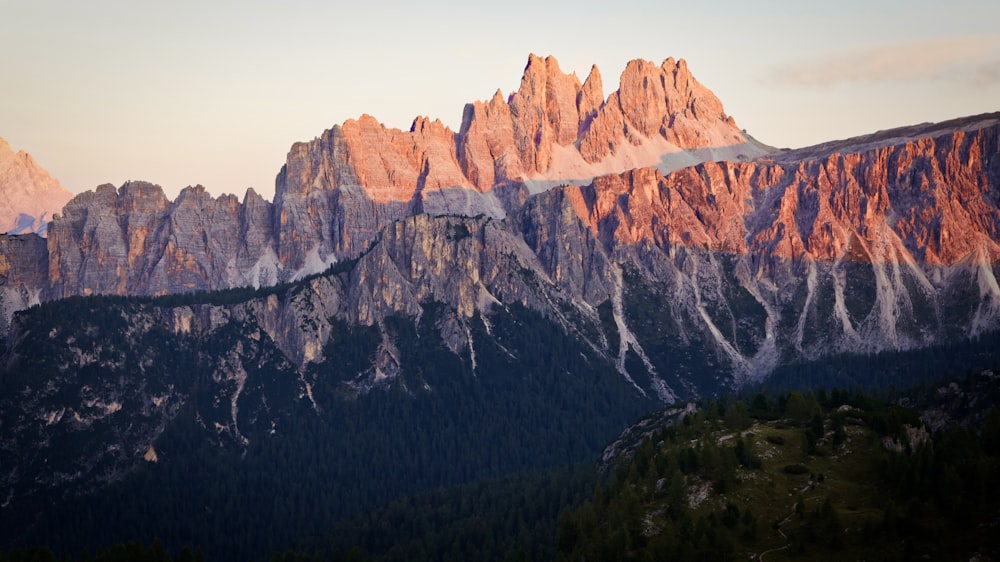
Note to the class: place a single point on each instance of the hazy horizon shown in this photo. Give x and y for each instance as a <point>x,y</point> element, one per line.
<point>186,93</point>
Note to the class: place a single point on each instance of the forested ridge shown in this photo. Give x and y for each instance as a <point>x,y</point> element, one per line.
<point>827,475</point>
<point>375,473</point>
<point>836,475</point>
<point>540,401</point>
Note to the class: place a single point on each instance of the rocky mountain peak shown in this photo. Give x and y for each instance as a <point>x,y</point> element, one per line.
<point>544,111</point>
<point>337,192</point>
<point>29,196</point>
<point>590,98</point>
<point>584,209</point>
<point>667,101</point>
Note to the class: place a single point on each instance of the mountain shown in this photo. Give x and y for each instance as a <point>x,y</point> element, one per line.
<point>29,196</point>
<point>800,253</point>
<point>888,241</point>
<point>336,193</point>
<point>559,266</point>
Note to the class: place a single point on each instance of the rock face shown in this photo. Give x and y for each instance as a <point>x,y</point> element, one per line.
<point>800,255</point>
<point>896,246</point>
<point>29,196</point>
<point>23,274</point>
<point>133,241</point>
<point>927,200</point>
<point>335,192</point>
<point>854,252</point>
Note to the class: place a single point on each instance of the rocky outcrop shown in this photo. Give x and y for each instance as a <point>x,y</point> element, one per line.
<point>678,312</point>
<point>892,247</point>
<point>929,201</point>
<point>727,250</point>
<point>134,241</point>
<point>23,274</point>
<point>29,196</point>
<point>887,247</point>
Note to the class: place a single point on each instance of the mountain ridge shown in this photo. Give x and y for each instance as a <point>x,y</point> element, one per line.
<point>392,273</point>
<point>813,251</point>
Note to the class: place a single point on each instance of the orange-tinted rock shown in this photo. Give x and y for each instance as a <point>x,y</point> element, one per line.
<point>29,196</point>
<point>337,191</point>
<point>486,148</point>
<point>931,200</point>
<point>590,99</point>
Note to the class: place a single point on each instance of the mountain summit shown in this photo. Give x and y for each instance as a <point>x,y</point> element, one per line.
<point>29,196</point>
<point>553,130</point>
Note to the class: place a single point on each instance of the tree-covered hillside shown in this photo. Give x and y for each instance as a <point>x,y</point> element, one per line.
<point>838,476</point>
<point>536,399</point>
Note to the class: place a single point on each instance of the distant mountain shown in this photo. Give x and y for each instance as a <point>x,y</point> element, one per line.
<point>558,266</point>
<point>29,196</point>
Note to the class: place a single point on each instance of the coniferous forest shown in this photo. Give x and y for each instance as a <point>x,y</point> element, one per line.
<point>504,461</point>
<point>837,475</point>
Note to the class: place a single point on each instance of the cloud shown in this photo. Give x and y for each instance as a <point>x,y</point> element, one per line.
<point>927,60</point>
<point>988,73</point>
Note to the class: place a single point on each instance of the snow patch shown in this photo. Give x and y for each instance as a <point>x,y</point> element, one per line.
<point>988,310</point>
<point>567,166</point>
<point>738,360</point>
<point>239,375</point>
<point>472,348</point>
<point>839,307</point>
<point>309,393</point>
<point>767,356</point>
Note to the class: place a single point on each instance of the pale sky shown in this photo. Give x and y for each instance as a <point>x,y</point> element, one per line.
<point>215,93</point>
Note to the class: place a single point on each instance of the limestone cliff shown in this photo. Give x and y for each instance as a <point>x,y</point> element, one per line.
<point>134,241</point>
<point>23,274</point>
<point>927,200</point>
